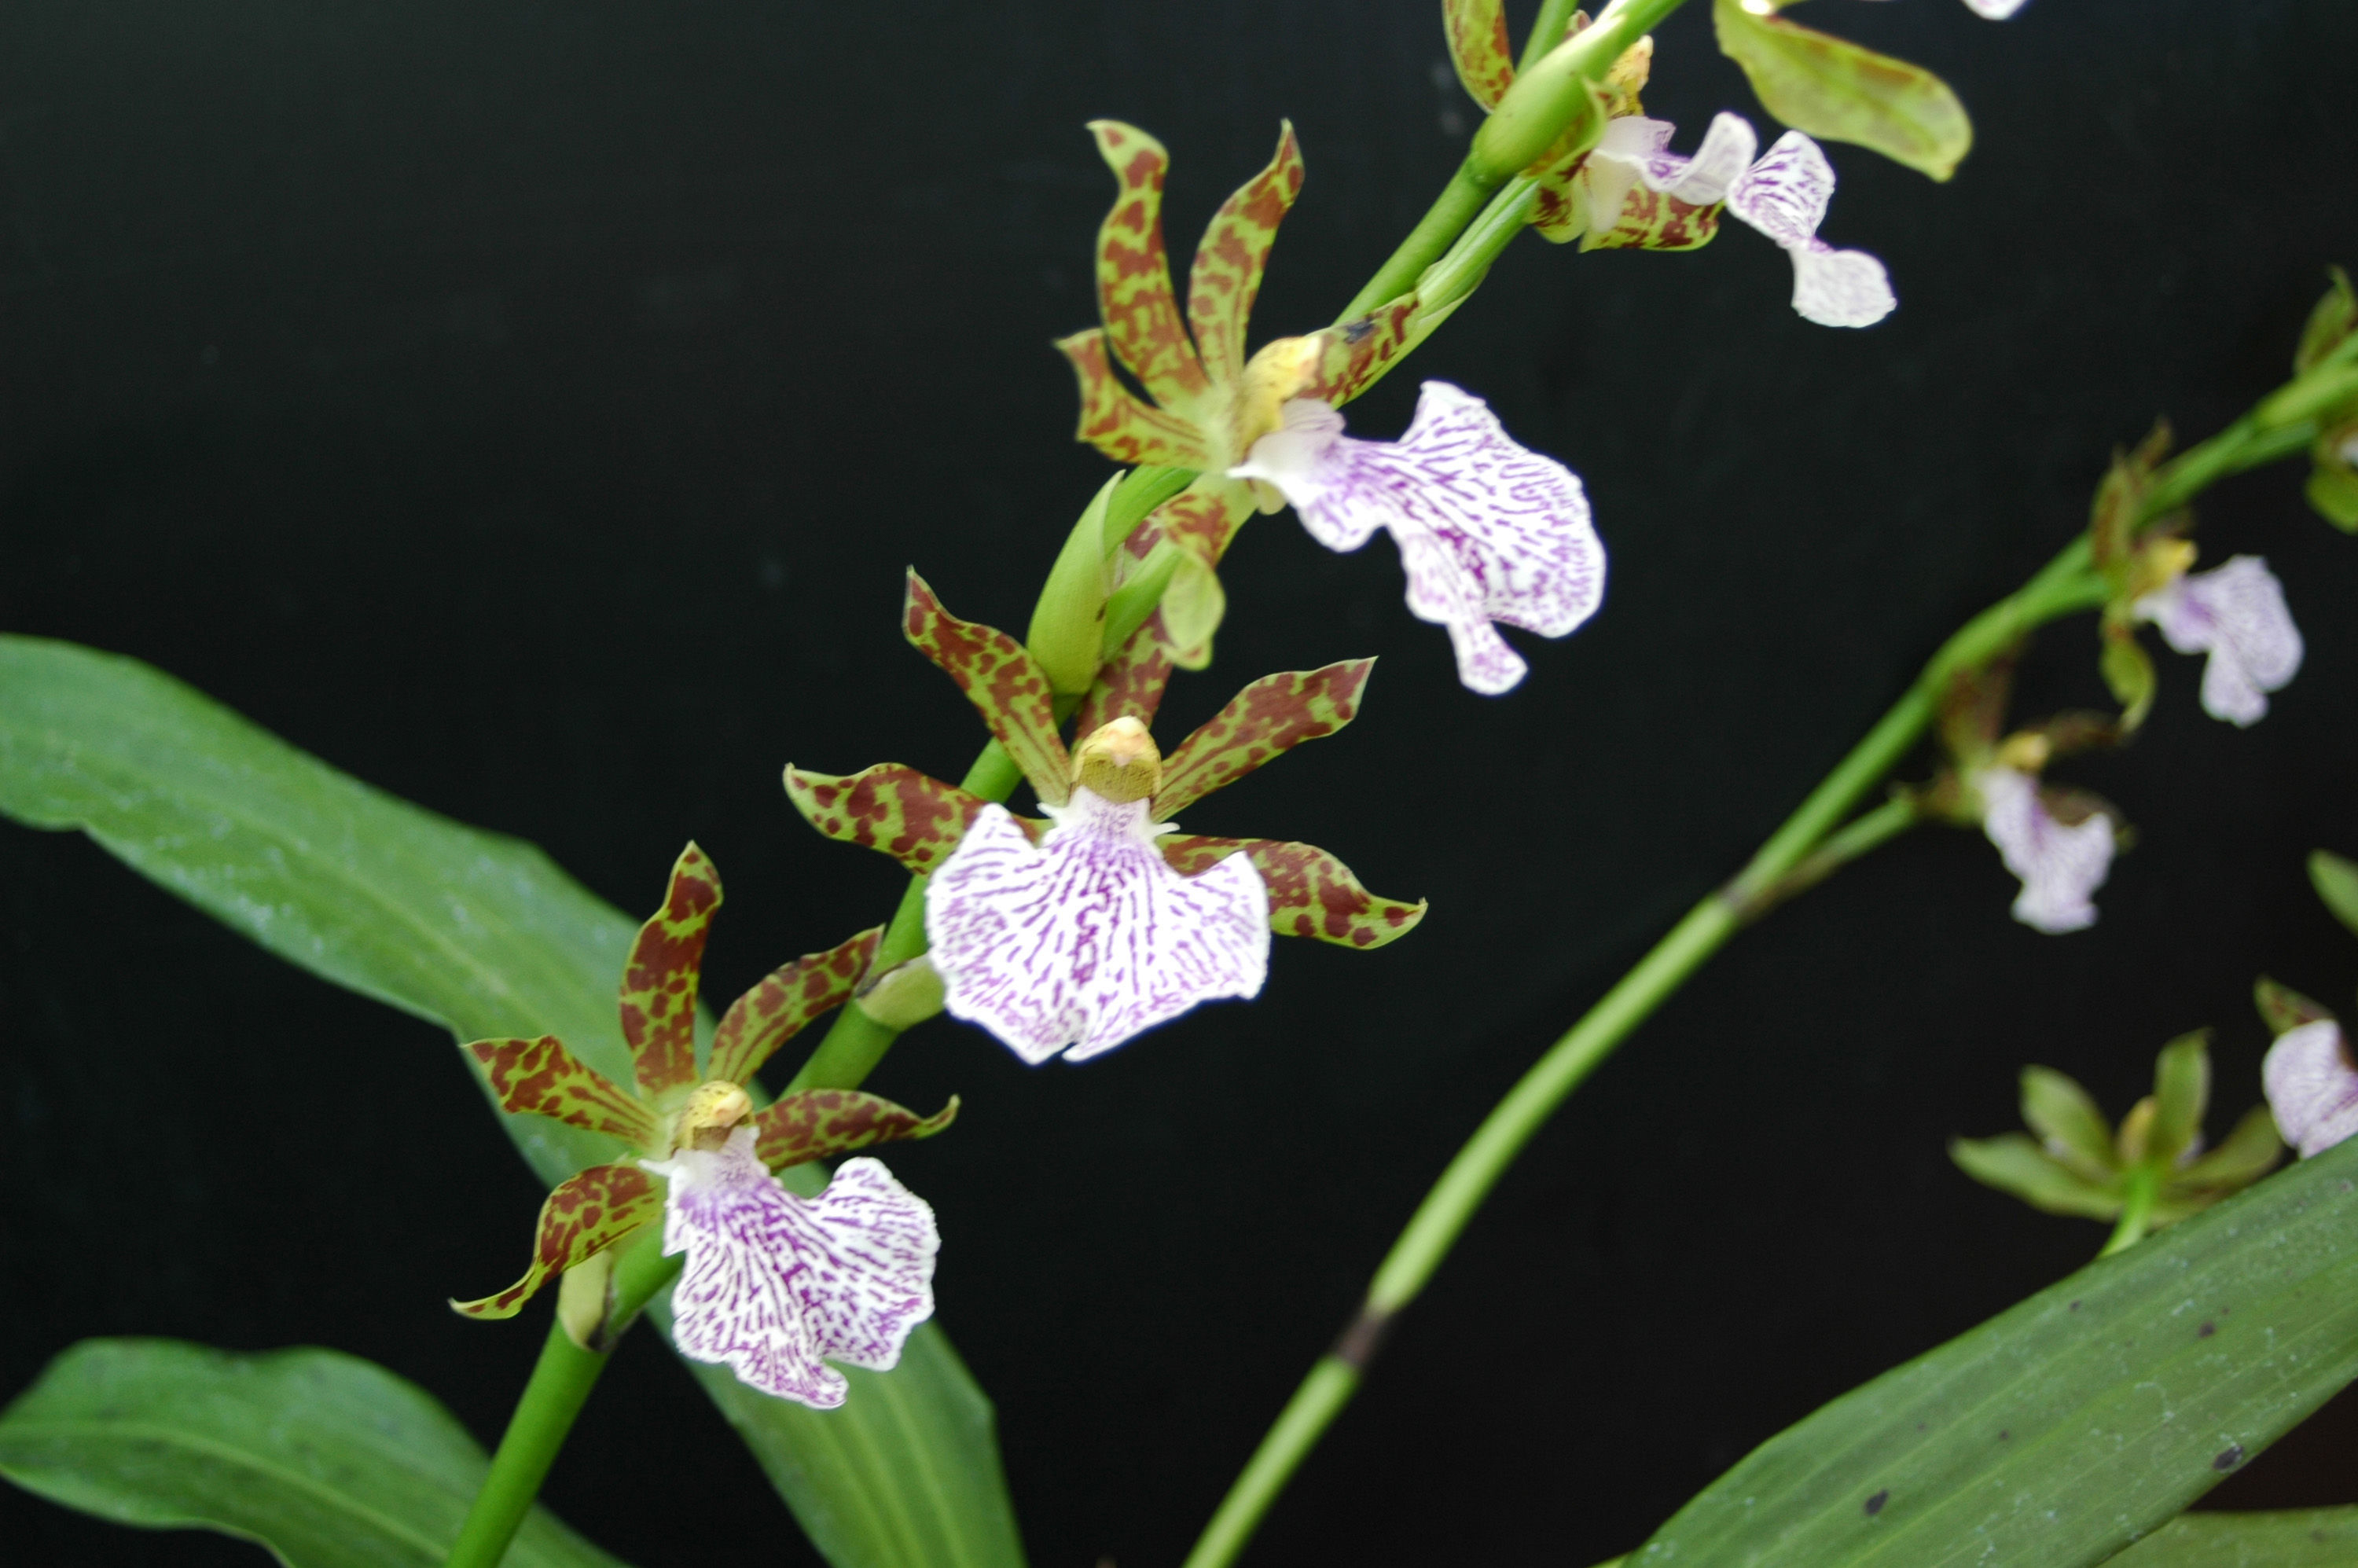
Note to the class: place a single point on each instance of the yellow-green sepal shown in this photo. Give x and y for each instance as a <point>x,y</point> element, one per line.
<point>1836,90</point>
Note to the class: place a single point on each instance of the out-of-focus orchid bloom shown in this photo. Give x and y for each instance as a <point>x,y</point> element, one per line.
<point>2237,614</point>
<point>2312,1087</point>
<point>1488,531</point>
<point>2061,864</point>
<point>775,1286</point>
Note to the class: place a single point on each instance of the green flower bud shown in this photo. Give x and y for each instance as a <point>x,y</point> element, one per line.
<point>1067,628</point>
<point>1555,107</point>
<point>904,996</point>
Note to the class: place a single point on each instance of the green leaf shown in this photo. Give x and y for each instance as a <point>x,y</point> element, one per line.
<point>2297,1538</point>
<point>484,934</point>
<point>2336,880</point>
<point>2064,1428</point>
<point>1831,88</point>
<point>327,1460</point>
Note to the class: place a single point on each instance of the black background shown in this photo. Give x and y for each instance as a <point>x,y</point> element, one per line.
<point>530,407</point>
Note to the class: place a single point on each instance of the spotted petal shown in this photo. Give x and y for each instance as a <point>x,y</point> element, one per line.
<point>1116,422</point>
<point>818,1124</point>
<point>659,980</point>
<point>1134,296</point>
<point>2060,866</point>
<point>541,1078</point>
<point>775,1286</point>
<point>1479,48</point>
<point>912,816</point>
<point>586,1212</point>
<point>1002,680</point>
<point>1131,684</point>
<point>2312,1087</point>
<point>1089,938</point>
<point>1785,196</point>
<point>1266,719</point>
<point>1227,273</point>
<point>1487,530</point>
<point>789,997</point>
<point>2237,614</point>
<point>1311,894</point>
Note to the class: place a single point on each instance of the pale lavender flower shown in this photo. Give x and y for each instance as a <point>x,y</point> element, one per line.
<point>2312,1087</point>
<point>1784,195</point>
<point>1488,531</point>
<point>776,1285</point>
<point>2060,866</point>
<point>2237,614</point>
<point>1088,937</point>
<point>1993,10</point>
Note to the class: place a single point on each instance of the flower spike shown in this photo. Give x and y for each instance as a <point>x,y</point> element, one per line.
<point>586,1212</point>
<point>776,1285</point>
<point>777,1008</point>
<point>659,980</point>
<point>1488,531</point>
<point>2237,614</point>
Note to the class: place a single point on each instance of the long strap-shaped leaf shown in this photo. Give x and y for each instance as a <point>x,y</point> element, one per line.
<point>483,934</point>
<point>328,1460</point>
<point>2063,1429</point>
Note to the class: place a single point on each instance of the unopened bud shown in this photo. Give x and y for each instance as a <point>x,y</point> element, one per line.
<point>904,996</point>
<point>585,1298</point>
<point>1555,107</point>
<point>1119,761</point>
<point>1068,624</point>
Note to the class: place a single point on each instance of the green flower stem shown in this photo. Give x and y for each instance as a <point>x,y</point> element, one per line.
<point>1546,31</point>
<point>2144,1182</point>
<point>1811,839</point>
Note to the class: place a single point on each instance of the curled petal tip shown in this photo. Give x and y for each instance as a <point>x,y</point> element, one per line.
<point>2062,866</point>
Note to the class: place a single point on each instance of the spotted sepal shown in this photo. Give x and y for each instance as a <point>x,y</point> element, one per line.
<point>789,997</point>
<point>1117,423</point>
<point>586,1212</point>
<point>1354,356</point>
<point>1652,219</point>
<point>912,816</point>
<point>1002,680</point>
<point>541,1078</point>
<point>659,980</point>
<point>1477,47</point>
<point>1311,894</point>
<point>1203,518</point>
<point>1131,684</point>
<point>1226,276</point>
<point>819,1123</point>
<point>1135,294</point>
<point>1269,717</point>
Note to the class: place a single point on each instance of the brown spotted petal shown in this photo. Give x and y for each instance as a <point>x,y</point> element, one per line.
<point>1131,684</point>
<point>659,980</point>
<point>1002,680</point>
<point>912,816</point>
<point>1354,356</point>
<point>1226,277</point>
<point>1117,423</point>
<point>541,1078</point>
<point>1135,294</point>
<point>1311,894</point>
<point>1202,518</point>
<point>817,1124</point>
<point>586,1212</point>
<point>774,1012</point>
<point>1272,715</point>
<point>1477,47</point>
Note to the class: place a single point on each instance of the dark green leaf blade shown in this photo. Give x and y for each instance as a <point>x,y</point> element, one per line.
<point>327,1460</point>
<point>485,934</point>
<point>2295,1538</point>
<point>2064,1428</point>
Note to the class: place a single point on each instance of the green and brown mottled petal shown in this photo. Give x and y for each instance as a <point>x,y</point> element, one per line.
<point>1835,91</point>
<point>586,1212</point>
<point>1002,680</point>
<point>1225,277</point>
<point>789,997</point>
<point>1116,423</point>
<point>1269,717</point>
<point>1131,684</point>
<point>912,816</point>
<point>1311,894</point>
<point>817,1123</point>
<point>660,977</point>
<point>1354,356</point>
<point>1654,219</point>
<point>1559,207</point>
<point>1204,517</point>
<point>1134,295</point>
<point>541,1078</point>
<point>1477,47</point>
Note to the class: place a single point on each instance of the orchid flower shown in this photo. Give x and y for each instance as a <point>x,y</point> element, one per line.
<point>2310,1076</point>
<point>2237,614</point>
<point>777,1284</point>
<point>2062,862</point>
<point>1486,530</point>
<point>1085,929</point>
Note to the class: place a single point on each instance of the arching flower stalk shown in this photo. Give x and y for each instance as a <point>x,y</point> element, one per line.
<point>1085,929</point>
<point>775,1285</point>
<point>1488,531</point>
